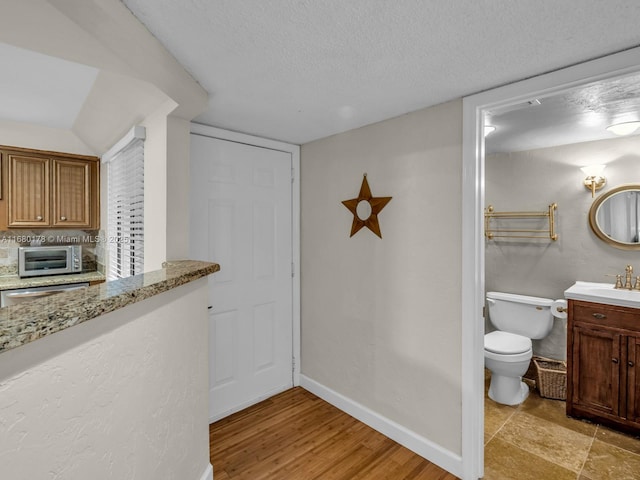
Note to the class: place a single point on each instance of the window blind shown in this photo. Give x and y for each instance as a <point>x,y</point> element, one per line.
<point>126,210</point>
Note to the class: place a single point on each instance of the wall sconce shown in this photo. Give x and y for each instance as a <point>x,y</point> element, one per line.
<point>489,129</point>
<point>595,180</point>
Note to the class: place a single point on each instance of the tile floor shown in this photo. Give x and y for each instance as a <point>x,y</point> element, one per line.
<point>537,441</point>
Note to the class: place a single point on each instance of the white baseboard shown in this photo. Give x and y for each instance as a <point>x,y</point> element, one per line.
<point>249,403</point>
<point>451,462</point>
<point>208,473</point>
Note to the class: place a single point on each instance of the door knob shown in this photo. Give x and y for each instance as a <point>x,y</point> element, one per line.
<point>631,364</point>
<point>614,360</point>
<point>63,218</point>
<point>39,217</point>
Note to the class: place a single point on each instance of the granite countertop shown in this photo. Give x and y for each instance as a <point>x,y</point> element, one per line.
<point>30,321</point>
<point>11,282</point>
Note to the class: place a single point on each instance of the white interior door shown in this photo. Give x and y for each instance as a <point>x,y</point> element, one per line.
<point>241,218</point>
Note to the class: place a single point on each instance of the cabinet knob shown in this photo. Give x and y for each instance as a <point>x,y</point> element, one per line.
<point>614,360</point>
<point>39,217</point>
<point>63,218</point>
<point>599,316</point>
<point>631,364</point>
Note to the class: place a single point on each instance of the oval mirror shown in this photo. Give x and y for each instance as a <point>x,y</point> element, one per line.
<point>614,217</point>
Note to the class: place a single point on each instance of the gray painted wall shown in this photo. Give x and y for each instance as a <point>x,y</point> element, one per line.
<point>381,317</point>
<point>531,180</point>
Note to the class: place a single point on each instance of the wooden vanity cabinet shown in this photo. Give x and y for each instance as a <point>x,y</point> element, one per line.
<point>48,190</point>
<point>603,377</point>
<point>633,373</point>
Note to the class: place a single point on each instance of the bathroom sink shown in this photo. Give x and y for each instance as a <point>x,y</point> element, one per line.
<point>603,293</point>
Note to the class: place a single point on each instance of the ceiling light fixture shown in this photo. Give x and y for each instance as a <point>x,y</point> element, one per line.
<point>624,128</point>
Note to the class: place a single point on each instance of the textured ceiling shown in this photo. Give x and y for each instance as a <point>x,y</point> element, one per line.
<point>298,70</point>
<point>576,116</point>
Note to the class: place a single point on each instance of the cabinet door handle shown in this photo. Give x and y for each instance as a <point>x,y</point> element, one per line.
<point>63,218</point>
<point>39,217</point>
<point>614,360</point>
<point>599,316</point>
<point>631,364</point>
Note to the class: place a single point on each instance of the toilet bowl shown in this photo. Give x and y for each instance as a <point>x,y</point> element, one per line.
<point>508,350</point>
<point>507,356</point>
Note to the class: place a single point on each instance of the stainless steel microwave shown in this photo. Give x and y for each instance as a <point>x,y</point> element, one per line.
<point>58,260</point>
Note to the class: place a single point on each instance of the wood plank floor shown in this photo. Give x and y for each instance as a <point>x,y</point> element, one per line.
<point>297,436</point>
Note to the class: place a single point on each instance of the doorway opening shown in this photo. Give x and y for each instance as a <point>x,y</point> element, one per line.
<point>475,109</point>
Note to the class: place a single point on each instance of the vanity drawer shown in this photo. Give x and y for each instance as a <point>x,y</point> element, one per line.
<point>606,315</point>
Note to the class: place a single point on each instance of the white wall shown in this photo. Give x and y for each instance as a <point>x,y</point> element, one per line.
<point>114,104</point>
<point>135,86</point>
<point>155,189</point>
<point>166,194</point>
<point>533,179</point>
<point>106,35</point>
<point>121,396</point>
<point>16,134</point>
<point>177,214</point>
<point>381,318</point>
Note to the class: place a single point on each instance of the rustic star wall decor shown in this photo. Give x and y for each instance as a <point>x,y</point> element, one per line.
<point>368,215</point>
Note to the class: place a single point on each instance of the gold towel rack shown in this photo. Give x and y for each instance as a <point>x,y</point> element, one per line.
<point>548,233</point>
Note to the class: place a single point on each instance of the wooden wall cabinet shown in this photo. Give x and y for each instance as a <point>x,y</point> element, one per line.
<point>603,376</point>
<point>48,190</point>
<point>71,193</point>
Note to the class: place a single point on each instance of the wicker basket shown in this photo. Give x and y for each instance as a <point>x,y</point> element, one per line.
<point>551,378</point>
<point>530,377</point>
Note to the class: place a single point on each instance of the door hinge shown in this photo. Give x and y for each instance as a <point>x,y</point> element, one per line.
<point>484,312</point>
<point>293,269</point>
<point>293,174</point>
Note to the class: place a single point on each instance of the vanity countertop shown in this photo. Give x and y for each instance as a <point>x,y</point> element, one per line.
<point>11,282</point>
<point>604,293</point>
<point>30,321</point>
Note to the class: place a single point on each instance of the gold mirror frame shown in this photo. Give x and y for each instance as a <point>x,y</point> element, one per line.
<point>593,212</point>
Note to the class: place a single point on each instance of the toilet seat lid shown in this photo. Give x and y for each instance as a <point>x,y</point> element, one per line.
<point>506,343</point>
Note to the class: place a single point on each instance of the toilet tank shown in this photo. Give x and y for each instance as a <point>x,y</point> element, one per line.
<point>527,316</point>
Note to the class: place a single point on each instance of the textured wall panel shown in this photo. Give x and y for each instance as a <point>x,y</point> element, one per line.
<point>123,396</point>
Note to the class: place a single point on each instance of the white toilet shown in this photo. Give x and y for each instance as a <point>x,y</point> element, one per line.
<point>508,351</point>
